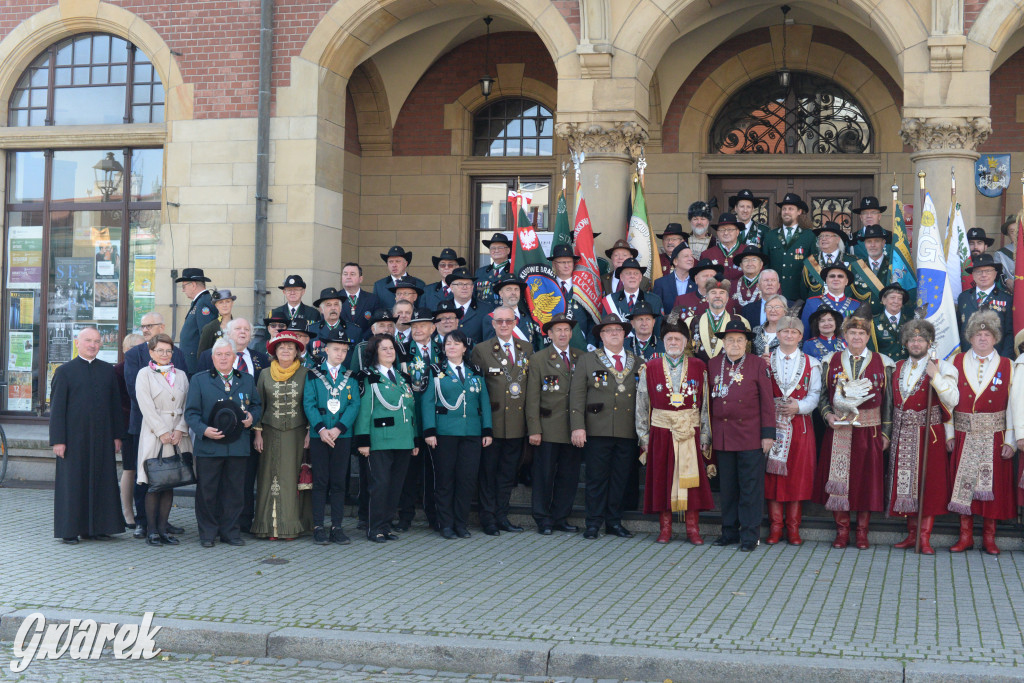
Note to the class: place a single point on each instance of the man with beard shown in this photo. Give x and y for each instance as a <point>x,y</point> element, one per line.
<point>788,246</point>
<point>705,327</point>
<point>699,215</point>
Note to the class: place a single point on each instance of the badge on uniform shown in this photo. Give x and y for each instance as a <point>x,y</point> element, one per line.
<point>333,405</point>
<point>206,310</point>
<point>799,254</point>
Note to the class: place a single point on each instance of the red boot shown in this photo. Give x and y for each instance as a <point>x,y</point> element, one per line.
<point>966,541</point>
<point>926,535</point>
<point>988,536</point>
<point>693,528</point>
<point>911,540</point>
<point>665,521</point>
<point>842,529</point>
<point>794,514</point>
<point>775,515</point>
<point>863,519</point>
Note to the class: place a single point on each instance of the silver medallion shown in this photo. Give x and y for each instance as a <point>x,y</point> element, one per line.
<point>514,389</point>
<point>504,361</point>
<point>334,405</point>
<point>621,387</point>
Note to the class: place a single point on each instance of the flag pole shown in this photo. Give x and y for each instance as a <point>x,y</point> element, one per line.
<point>923,454</point>
<point>895,200</point>
<point>921,176</point>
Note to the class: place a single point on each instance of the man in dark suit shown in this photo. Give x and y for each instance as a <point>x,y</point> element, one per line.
<point>329,304</point>
<point>768,286</point>
<point>358,305</point>
<point>438,291</point>
<point>788,246</point>
<point>294,289</point>
<point>500,248</point>
<point>642,341</point>
<point>563,262</point>
<point>677,281</point>
<point>474,311</point>
<point>670,239</point>
<point>200,312</point>
<point>622,303</point>
<point>987,293</point>
<point>397,260</point>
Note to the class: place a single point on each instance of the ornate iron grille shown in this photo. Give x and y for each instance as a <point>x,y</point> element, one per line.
<point>835,209</point>
<point>812,116</point>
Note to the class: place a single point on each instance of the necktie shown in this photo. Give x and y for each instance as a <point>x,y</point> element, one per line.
<point>981,298</point>
<point>424,352</point>
<point>618,288</point>
<point>632,299</point>
<point>789,234</point>
<point>354,301</point>
<point>446,290</point>
<point>333,371</point>
<point>508,352</point>
<point>565,357</point>
<point>618,362</point>
<point>293,313</point>
<point>458,371</point>
<point>391,375</point>
<point>241,362</point>
<point>565,292</point>
<point>892,319</point>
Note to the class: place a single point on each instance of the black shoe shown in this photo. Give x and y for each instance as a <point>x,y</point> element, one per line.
<point>319,535</point>
<point>245,528</point>
<point>153,539</point>
<point>725,540</point>
<point>620,531</point>
<point>463,532</point>
<point>491,530</point>
<point>97,537</point>
<point>168,540</point>
<point>448,533</point>
<point>140,532</point>
<point>206,544</point>
<point>235,541</point>
<point>391,536</point>
<point>71,540</point>
<point>591,532</point>
<point>506,525</point>
<point>338,536</point>
<point>171,529</point>
<point>747,546</point>
<point>130,527</point>
<point>403,526</point>
<point>566,527</point>
<point>544,530</point>
<point>363,525</point>
<point>433,524</point>
<point>378,538</point>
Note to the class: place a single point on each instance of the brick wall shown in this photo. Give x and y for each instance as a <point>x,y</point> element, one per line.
<point>1004,88</point>
<point>419,129</point>
<point>972,8</point>
<point>570,9</point>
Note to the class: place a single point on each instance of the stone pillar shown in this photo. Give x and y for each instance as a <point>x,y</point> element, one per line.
<point>942,144</point>
<point>608,153</point>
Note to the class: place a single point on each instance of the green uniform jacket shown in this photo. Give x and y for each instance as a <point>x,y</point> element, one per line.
<point>205,389</point>
<point>503,379</point>
<point>471,418</point>
<point>382,428</point>
<point>210,333</point>
<point>788,259</point>
<point>865,287</point>
<point>314,401</point>
<point>595,401</point>
<point>886,339</point>
<point>547,394</point>
<point>755,235</point>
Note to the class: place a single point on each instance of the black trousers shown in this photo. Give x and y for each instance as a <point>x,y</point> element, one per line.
<point>456,465</point>
<point>386,470</point>
<point>419,489</point>
<point>252,466</point>
<point>608,461</point>
<point>499,464</point>
<point>220,494</point>
<point>556,476</point>
<point>364,488</point>
<point>330,469</point>
<point>742,477</point>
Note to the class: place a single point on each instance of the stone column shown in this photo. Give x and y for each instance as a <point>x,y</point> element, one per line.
<point>608,153</point>
<point>941,144</point>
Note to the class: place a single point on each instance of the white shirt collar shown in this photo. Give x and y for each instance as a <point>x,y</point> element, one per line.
<point>560,351</point>
<point>384,371</point>
<point>986,292</point>
<point>611,356</point>
<point>985,358</point>
<point>201,292</point>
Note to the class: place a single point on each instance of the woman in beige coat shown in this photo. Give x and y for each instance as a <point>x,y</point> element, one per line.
<point>161,390</point>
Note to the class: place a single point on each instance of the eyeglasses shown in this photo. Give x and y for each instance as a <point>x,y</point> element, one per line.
<point>151,326</point>
<point>502,321</point>
<point>276,326</point>
<point>774,308</point>
<point>163,352</point>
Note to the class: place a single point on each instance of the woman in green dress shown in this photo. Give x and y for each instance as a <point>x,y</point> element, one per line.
<point>282,511</point>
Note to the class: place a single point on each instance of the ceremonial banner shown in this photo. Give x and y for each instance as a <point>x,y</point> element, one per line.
<point>957,251</point>
<point>586,278</point>
<point>902,272</point>
<point>543,295</point>
<point>563,233</point>
<point>639,234</point>
<point>933,284</point>
<point>1018,291</point>
<point>992,174</point>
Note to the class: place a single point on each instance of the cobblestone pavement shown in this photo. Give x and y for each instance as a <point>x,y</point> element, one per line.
<point>877,604</point>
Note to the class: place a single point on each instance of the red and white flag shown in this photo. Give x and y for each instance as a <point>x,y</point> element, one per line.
<point>586,278</point>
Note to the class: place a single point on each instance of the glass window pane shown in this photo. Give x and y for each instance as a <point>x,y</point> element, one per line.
<point>63,76</point>
<point>64,54</point>
<point>118,51</point>
<point>118,74</point>
<point>40,77</point>
<point>28,174</point>
<point>77,106</point>
<point>545,147</point>
<point>81,76</point>
<point>157,115</point>
<point>24,268</point>
<point>100,49</point>
<point>158,92</point>
<point>519,121</point>
<point>19,118</point>
<point>497,148</point>
<point>87,175</point>
<point>143,73</point>
<point>101,74</point>
<point>83,50</point>
<point>147,174</point>
<point>37,117</point>
<point>140,114</point>
<point>530,128</point>
<point>20,99</point>
<point>514,129</point>
<point>39,97</point>
<point>144,227</point>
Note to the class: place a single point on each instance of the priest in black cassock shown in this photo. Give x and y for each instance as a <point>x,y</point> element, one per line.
<point>85,417</point>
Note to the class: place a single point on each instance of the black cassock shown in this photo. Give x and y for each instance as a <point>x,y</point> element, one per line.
<point>85,414</point>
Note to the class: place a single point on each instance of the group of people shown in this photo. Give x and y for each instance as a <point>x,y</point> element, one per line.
<point>780,361</point>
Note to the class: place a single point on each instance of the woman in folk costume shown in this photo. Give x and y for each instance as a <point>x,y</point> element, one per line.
<point>673,430</point>
<point>851,471</point>
<point>914,381</point>
<point>981,464</point>
<point>796,385</point>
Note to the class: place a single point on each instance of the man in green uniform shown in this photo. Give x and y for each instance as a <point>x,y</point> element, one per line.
<point>886,336</point>
<point>788,246</point>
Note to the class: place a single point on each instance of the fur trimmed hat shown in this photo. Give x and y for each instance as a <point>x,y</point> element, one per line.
<point>916,328</point>
<point>859,320</point>
<point>984,320</point>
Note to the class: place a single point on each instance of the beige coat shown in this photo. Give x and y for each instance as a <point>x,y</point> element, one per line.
<point>163,410</point>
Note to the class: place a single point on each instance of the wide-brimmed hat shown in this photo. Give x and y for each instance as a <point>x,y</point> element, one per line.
<point>448,254</point>
<point>558,318</point>
<point>328,293</point>
<point>497,238</point>
<point>562,251</point>
<point>621,244</point>
<point>870,202</point>
<point>336,336</point>
<point>737,258</point>
<point>298,324</point>
<point>630,263</point>
<point>222,295</point>
<point>641,308</point>
<point>833,227</point>
<point>611,319</point>
<point>293,281</point>
<point>459,274</point>
<point>675,325</point>
<point>382,315</point>
<point>728,219</point>
<point>405,283</point>
<point>839,265</point>
<point>895,287</point>
<point>794,199</point>
<point>979,234</point>
<point>826,310</point>
<point>397,251</point>
<point>705,264</point>
<point>227,416</point>
<point>447,306</point>
<point>283,337</point>
<point>874,232</point>
<point>507,278</point>
<point>984,260</point>
<point>192,275</point>
<point>422,315</point>
<point>735,325</point>
<point>744,194</point>
<point>276,319</point>
<point>673,229</point>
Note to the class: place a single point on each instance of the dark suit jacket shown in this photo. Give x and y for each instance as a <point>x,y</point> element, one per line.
<point>1001,302</point>
<point>200,312</point>
<point>357,325</point>
<point>135,359</point>
<point>259,359</point>
<point>433,295</point>
<point>385,297</point>
<point>665,289</point>
<point>754,313</point>
<point>476,322</point>
<point>311,314</point>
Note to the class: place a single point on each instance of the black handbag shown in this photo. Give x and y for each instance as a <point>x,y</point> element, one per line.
<point>169,472</point>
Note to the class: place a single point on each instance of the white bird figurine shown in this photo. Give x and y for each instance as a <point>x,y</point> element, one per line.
<point>849,395</point>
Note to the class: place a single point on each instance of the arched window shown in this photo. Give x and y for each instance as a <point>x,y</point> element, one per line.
<point>88,79</point>
<point>812,116</point>
<point>514,127</point>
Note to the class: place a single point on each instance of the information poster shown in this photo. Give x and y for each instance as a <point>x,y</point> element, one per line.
<point>105,301</point>
<point>108,343</point>
<point>145,275</point>
<point>25,256</point>
<point>141,305</point>
<point>21,311</point>
<point>108,261</point>
<point>19,391</point>
<point>59,342</point>
<point>50,369</point>
<point>73,289</point>
<point>19,352</point>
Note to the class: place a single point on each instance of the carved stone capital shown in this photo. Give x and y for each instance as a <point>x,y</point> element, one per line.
<point>621,138</point>
<point>959,133</point>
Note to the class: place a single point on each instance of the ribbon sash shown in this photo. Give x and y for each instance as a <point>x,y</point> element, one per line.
<point>838,485</point>
<point>974,473</point>
<point>778,457</point>
<point>905,454</point>
<point>685,473</point>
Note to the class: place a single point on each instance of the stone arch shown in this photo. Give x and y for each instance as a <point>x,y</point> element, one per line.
<point>997,23</point>
<point>38,32</point>
<point>373,116</point>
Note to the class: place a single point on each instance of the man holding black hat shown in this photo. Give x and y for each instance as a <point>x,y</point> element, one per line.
<point>500,247</point>
<point>742,433</point>
<point>445,264</point>
<point>987,293</point>
<point>473,310</point>
<point>870,212</point>
<point>224,301</point>
<point>670,239</point>
<point>294,288</point>
<point>752,233</point>
<point>201,312</point>
<point>887,338</point>
<point>978,243</point>
<point>788,246</point>
<point>221,407</point>
<point>699,215</point>
<point>397,260</point>
<point>358,305</point>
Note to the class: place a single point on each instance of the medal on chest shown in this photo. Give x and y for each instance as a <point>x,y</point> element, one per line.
<point>333,405</point>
